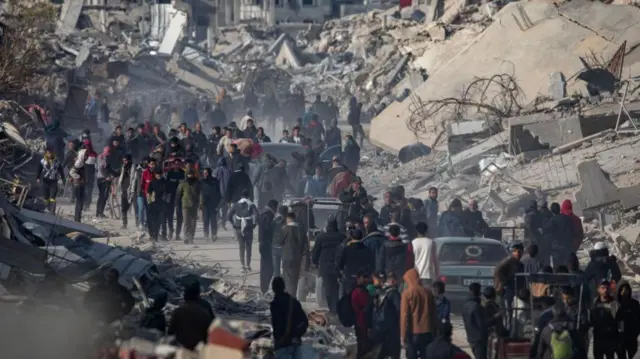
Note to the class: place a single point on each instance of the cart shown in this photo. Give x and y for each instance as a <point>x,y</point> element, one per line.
<point>521,322</point>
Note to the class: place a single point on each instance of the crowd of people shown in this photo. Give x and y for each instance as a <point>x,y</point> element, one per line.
<point>379,269</point>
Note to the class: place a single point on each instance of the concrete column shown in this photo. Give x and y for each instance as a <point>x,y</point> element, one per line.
<point>228,11</point>
<point>236,10</point>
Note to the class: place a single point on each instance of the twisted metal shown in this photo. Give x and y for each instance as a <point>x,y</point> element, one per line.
<point>496,96</point>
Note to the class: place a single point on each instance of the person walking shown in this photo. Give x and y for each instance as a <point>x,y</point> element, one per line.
<point>189,193</point>
<point>295,249</point>
<point>324,257</point>
<point>426,257</point>
<point>476,323</point>
<point>279,221</point>
<point>49,172</point>
<point>127,175</point>
<point>265,240</point>
<point>288,320</point>
<point>156,198</point>
<point>418,316</point>
<point>243,216</point>
<point>210,198</point>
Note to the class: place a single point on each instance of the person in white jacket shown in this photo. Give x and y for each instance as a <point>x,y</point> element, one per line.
<point>426,256</point>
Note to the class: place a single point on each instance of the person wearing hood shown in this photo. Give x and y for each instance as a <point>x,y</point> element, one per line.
<point>124,186</point>
<point>324,257</point>
<point>190,322</point>
<point>396,256</point>
<point>279,221</point>
<point>317,185</point>
<point>557,330</point>
<point>627,318</point>
<point>243,216</point>
<point>559,231</point>
<point>578,231</point>
<point>116,151</point>
<point>295,250</point>
<point>442,346</point>
<point>174,176</point>
<point>223,173</point>
<point>239,183</point>
<point>385,317</point>
<point>157,199</point>
<point>104,176</point>
<point>351,154</point>
<point>476,323</point>
<point>89,159</point>
<point>450,224</point>
<point>426,256</point>
<point>210,198</point>
<point>265,241</point>
<point>49,172</point>
<point>418,316</point>
<point>352,259</point>
<point>189,194</point>
<point>153,317</point>
<point>603,320</point>
<point>237,160</point>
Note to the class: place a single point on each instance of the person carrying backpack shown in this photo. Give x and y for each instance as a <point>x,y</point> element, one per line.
<point>288,320</point>
<point>385,318</point>
<point>557,338</point>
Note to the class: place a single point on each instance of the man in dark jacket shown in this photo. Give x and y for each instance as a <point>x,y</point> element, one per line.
<point>559,231</point>
<point>395,256</point>
<point>354,198</point>
<point>530,263</point>
<point>265,240</point>
<point>602,266</point>
<point>351,154</point>
<point>627,318</point>
<point>505,275</point>
<point>304,215</point>
<point>279,221</point>
<point>451,224</point>
<point>190,322</point>
<point>559,326</point>
<point>579,316</point>
<point>294,251</point>
<point>210,198</point>
<point>473,221</point>
<point>288,320</point>
<point>374,238</point>
<point>239,183</point>
<point>109,300</point>
<point>324,257</point>
<point>603,320</point>
<point>174,205</point>
<point>475,323</point>
<point>442,347</point>
<point>199,140</point>
<point>157,200</point>
<point>243,216</point>
<point>386,318</point>
<point>532,223</point>
<point>354,258</point>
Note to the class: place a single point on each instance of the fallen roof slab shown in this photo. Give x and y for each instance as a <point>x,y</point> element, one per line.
<point>553,44</point>
<point>62,226</point>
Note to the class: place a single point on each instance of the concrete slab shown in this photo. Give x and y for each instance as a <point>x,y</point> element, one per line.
<point>173,33</point>
<point>557,86</point>
<point>597,191</point>
<point>542,131</point>
<point>553,44</point>
<point>467,159</point>
<point>69,15</point>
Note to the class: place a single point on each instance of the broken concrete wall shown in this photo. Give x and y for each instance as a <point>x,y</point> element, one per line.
<point>552,44</point>
<point>468,159</point>
<point>542,131</point>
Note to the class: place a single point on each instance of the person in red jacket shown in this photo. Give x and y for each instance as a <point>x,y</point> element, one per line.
<point>146,178</point>
<point>360,301</point>
<point>567,210</point>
